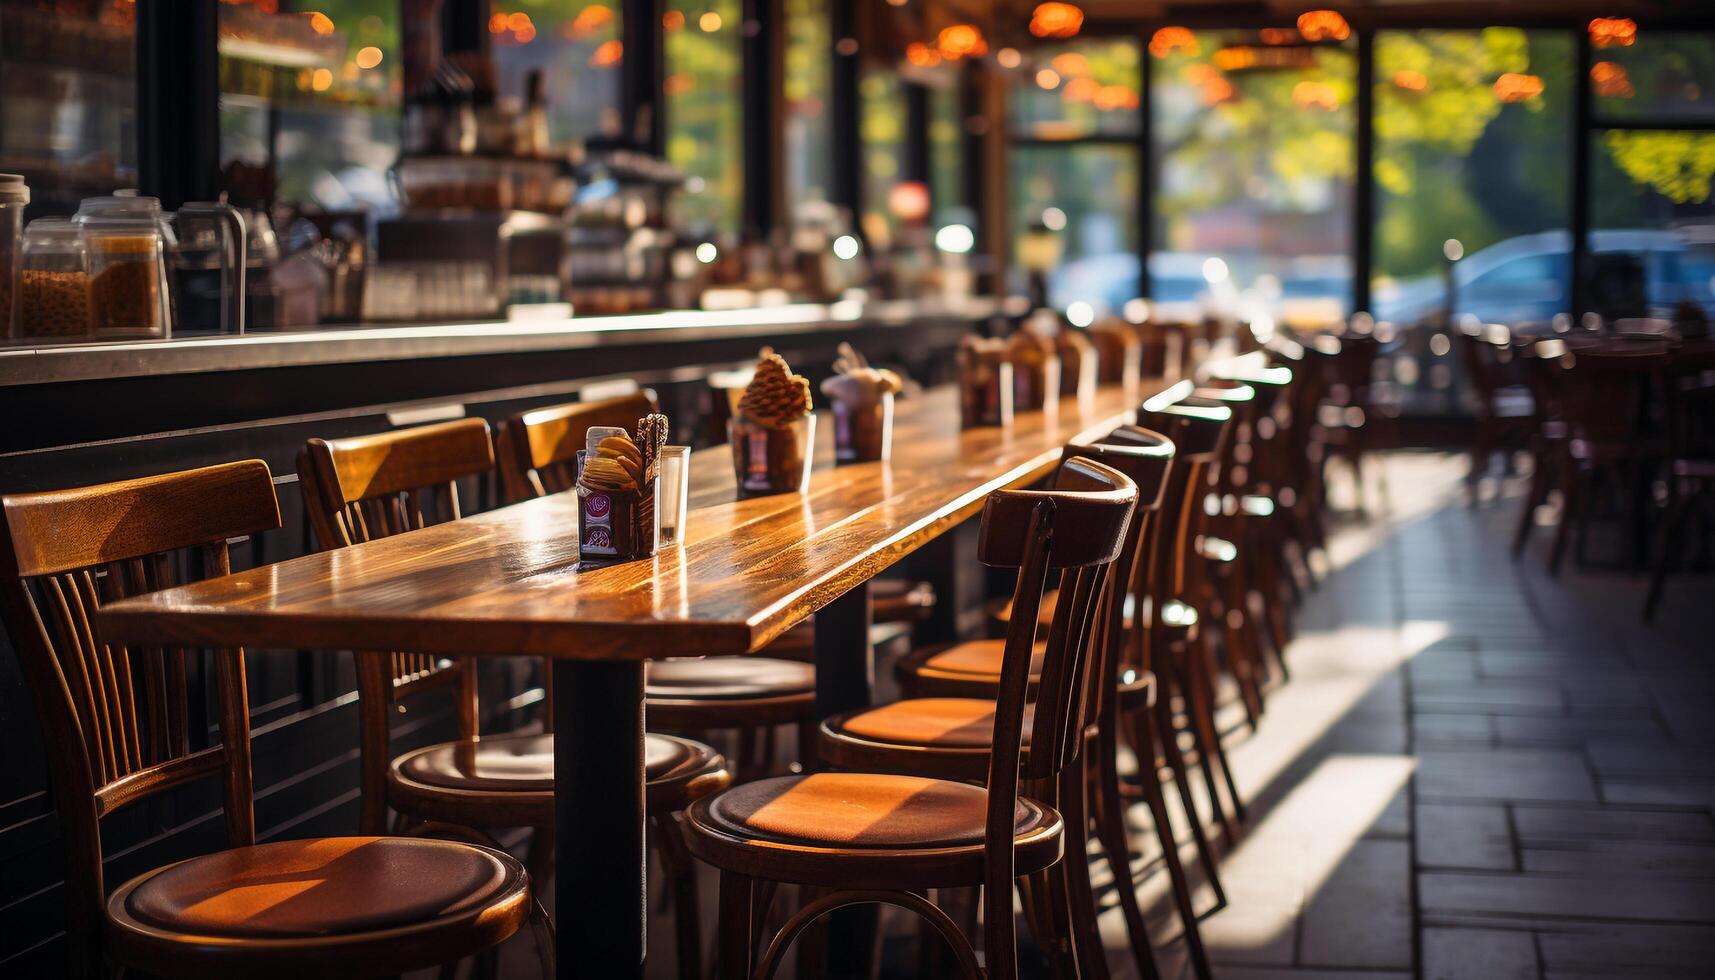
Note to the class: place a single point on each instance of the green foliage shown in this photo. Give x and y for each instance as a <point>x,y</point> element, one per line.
<point>1677,165</point>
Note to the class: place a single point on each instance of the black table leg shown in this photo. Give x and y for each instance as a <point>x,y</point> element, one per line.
<point>845,679</point>
<point>845,661</point>
<point>600,867</point>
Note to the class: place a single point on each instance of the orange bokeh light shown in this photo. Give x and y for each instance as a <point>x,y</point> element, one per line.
<point>321,23</point>
<point>1323,25</point>
<point>1169,40</point>
<point>672,20</point>
<point>1277,35</point>
<point>1315,95</point>
<point>1514,87</point>
<point>961,41</point>
<point>1061,20</point>
<point>607,54</point>
<point>1070,64</point>
<point>1411,81</point>
<point>1611,80</point>
<point>1613,32</point>
<point>591,19</point>
<point>922,55</point>
<point>1081,90</point>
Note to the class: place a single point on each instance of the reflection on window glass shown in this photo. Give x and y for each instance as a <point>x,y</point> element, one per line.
<point>575,45</point>
<point>68,98</point>
<point>1653,213</point>
<point>1666,76</point>
<point>703,112</point>
<point>1079,90</point>
<point>1087,194</point>
<point>1471,134</point>
<point>1253,132</point>
<point>882,112</point>
<point>332,79</point>
<point>946,155</point>
<point>808,166</point>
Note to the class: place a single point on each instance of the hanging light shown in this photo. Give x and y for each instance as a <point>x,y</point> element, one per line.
<point>1411,81</point>
<point>1513,87</point>
<point>1613,32</point>
<point>961,41</point>
<point>1169,40</point>
<point>1057,20</point>
<point>1323,25</point>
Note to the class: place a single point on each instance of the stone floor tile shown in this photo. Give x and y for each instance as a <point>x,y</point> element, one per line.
<point>1638,947</point>
<point>1360,916</point>
<point>1622,857</point>
<point>1478,954</point>
<point>1587,896</point>
<point>1463,836</point>
<point>1536,823</point>
<point>1504,774</point>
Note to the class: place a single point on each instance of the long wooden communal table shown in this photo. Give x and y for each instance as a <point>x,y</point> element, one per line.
<point>506,583</point>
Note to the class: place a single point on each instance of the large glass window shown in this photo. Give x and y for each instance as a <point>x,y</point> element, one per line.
<point>1652,207</point>
<point>1472,176</point>
<point>575,44</point>
<point>946,155</point>
<point>704,110</point>
<point>309,102</point>
<point>809,169</point>
<point>882,107</point>
<point>68,98</point>
<point>1075,113</point>
<point>1087,193</point>
<point>1253,133</point>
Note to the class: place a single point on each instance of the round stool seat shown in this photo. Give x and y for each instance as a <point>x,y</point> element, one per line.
<point>330,886</point>
<point>728,678</point>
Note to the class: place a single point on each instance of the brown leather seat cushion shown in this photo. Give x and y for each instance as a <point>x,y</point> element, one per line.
<point>729,678</point>
<point>952,723</point>
<point>848,809</point>
<point>327,886</point>
<point>520,763</point>
<point>979,658</point>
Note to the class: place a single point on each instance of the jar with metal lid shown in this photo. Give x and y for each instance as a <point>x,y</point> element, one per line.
<point>14,194</point>
<point>52,283</point>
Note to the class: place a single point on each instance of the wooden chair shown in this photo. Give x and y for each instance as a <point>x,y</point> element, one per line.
<point>368,487</point>
<point>1183,658</point>
<point>1504,407</point>
<point>1604,394</point>
<point>885,838</point>
<point>948,737</point>
<point>118,728</point>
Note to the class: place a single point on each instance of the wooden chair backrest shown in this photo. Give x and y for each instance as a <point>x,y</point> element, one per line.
<point>538,449</point>
<point>117,721</point>
<point>1077,528</point>
<point>1604,391</point>
<point>1199,433</point>
<point>1145,457</point>
<point>369,487</point>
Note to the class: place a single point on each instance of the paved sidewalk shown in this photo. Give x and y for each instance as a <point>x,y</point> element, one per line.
<point>1477,771</point>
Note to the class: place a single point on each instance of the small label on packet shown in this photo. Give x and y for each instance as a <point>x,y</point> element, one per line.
<point>598,525</point>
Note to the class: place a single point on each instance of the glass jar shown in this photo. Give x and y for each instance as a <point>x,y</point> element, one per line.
<point>128,237</point>
<point>52,283</point>
<point>14,194</point>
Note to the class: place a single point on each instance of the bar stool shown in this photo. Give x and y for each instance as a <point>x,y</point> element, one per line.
<point>751,694</point>
<point>369,487</point>
<point>118,728</point>
<point>875,837</point>
<point>946,736</point>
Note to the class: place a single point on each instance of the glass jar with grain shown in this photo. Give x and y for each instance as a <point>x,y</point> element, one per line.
<point>52,285</point>
<point>14,195</point>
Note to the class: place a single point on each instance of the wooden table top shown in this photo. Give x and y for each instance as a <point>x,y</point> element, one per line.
<point>506,582</point>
